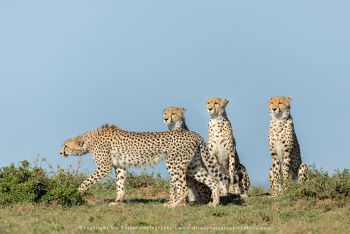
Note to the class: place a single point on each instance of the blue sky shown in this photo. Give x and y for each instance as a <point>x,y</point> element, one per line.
<point>67,67</point>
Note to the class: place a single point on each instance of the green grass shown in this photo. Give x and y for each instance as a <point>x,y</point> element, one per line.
<point>143,212</point>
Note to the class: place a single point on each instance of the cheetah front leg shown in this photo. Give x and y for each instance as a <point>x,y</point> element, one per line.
<point>286,170</point>
<point>275,173</point>
<point>273,182</point>
<point>274,178</point>
<point>101,172</point>
<point>232,165</point>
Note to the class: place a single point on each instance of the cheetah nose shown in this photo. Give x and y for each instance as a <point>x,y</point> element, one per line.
<point>60,153</point>
<point>210,109</point>
<point>274,109</point>
<point>165,119</point>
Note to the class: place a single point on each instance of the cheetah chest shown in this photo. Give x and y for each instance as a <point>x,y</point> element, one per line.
<point>280,137</point>
<point>220,143</point>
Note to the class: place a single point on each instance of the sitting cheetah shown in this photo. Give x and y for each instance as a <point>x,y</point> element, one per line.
<point>222,145</point>
<point>284,146</point>
<point>175,120</point>
<point>112,146</point>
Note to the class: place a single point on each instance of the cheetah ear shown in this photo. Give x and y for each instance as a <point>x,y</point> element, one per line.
<point>210,99</point>
<point>183,109</point>
<point>165,109</point>
<point>79,141</point>
<point>289,98</point>
<point>225,102</point>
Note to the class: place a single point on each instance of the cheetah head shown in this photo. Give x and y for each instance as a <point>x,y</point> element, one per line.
<point>280,107</point>
<point>216,106</point>
<point>173,116</point>
<point>75,146</point>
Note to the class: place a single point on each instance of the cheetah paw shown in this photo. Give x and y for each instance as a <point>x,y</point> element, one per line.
<point>116,203</point>
<point>213,204</point>
<point>169,205</point>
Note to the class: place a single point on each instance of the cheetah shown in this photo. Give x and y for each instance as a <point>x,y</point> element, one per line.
<point>222,145</point>
<point>174,118</point>
<point>284,146</point>
<point>113,147</point>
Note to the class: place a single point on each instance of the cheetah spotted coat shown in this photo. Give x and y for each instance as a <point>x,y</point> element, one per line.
<point>174,118</point>
<point>222,145</point>
<point>284,146</point>
<point>113,147</point>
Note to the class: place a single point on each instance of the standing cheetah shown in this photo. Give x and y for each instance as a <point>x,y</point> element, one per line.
<point>284,146</point>
<point>174,118</point>
<point>222,145</point>
<point>113,147</point>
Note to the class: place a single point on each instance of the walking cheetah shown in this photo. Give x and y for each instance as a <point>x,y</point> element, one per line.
<point>174,118</point>
<point>284,146</point>
<point>222,145</point>
<point>113,147</point>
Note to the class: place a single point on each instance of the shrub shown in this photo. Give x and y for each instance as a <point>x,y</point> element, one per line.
<point>63,189</point>
<point>22,184</point>
<point>321,186</point>
<point>26,184</point>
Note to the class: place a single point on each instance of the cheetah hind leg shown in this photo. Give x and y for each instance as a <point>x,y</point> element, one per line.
<point>181,191</point>
<point>171,194</point>
<point>235,186</point>
<point>198,193</point>
<point>244,182</point>
<point>120,174</point>
<point>302,173</point>
<point>204,193</point>
<point>193,190</point>
<point>201,175</point>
